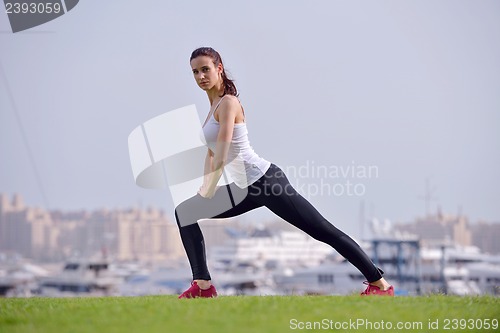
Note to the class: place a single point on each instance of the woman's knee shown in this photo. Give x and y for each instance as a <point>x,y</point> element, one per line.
<point>177,217</point>
<point>325,232</point>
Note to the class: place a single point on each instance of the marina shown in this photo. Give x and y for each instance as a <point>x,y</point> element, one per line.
<point>266,262</point>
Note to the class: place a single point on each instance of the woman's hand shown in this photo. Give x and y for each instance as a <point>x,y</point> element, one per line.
<point>205,193</point>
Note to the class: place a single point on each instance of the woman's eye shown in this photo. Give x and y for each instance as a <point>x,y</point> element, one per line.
<point>205,69</point>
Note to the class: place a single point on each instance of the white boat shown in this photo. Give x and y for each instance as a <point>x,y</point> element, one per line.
<point>81,277</point>
<point>329,278</point>
<point>462,271</point>
<point>264,246</point>
<point>159,280</point>
<point>18,277</point>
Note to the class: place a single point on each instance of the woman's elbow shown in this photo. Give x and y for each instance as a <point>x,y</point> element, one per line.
<point>219,163</point>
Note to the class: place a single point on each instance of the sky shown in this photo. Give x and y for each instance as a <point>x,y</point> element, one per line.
<point>406,89</point>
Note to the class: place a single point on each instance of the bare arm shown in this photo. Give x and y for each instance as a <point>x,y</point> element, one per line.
<point>228,111</point>
<point>207,169</point>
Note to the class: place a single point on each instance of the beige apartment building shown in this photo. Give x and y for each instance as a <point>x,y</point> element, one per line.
<point>445,228</point>
<point>128,234</point>
<point>439,228</point>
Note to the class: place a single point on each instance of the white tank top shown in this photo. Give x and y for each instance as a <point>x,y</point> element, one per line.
<point>244,165</point>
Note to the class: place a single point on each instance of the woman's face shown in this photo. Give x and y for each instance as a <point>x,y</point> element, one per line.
<point>205,73</point>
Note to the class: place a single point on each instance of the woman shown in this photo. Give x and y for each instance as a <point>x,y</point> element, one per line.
<point>257,182</point>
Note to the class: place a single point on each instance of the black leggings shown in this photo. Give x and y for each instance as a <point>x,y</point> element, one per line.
<point>274,191</point>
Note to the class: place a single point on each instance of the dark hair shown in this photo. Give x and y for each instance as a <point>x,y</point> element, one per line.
<point>229,86</point>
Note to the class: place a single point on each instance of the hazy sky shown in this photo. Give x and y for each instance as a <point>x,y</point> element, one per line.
<point>409,87</point>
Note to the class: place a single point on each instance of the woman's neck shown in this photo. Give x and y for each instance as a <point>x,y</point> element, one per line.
<point>215,93</point>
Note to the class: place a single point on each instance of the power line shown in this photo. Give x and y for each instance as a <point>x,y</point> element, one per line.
<point>428,197</point>
<point>24,137</point>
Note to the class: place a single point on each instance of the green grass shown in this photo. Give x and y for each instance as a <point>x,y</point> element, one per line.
<point>237,313</point>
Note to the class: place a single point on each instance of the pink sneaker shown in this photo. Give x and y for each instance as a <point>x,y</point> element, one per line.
<point>195,291</point>
<point>374,290</point>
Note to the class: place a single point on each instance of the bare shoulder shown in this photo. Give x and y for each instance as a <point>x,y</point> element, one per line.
<point>231,101</point>
<point>229,107</point>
